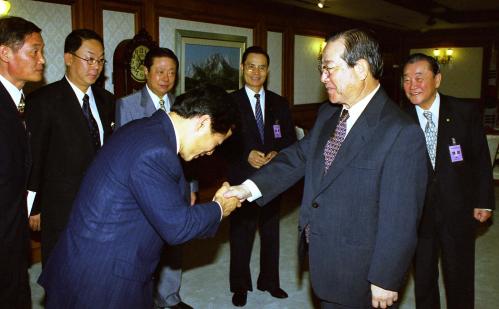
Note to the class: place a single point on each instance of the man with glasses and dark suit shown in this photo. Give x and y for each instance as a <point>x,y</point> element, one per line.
<point>69,120</point>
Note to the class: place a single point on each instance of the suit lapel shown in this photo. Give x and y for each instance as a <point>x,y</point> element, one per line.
<point>414,115</point>
<point>445,124</point>
<point>146,103</point>
<point>100,101</point>
<point>361,132</point>
<point>326,131</point>
<point>247,112</point>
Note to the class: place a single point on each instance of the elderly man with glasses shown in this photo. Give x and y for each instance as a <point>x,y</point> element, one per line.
<point>69,120</point>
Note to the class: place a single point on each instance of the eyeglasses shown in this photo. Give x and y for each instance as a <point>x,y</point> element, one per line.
<point>329,68</point>
<point>256,68</point>
<point>91,61</point>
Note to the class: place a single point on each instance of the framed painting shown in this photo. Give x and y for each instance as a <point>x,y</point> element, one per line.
<point>209,57</point>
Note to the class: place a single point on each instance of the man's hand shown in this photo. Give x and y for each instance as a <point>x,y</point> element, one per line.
<point>240,192</point>
<point>271,155</point>
<point>257,159</point>
<point>228,204</point>
<point>382,298</point>
<point>193,198</point>
<point>35,222</point>
<point>482,215</point>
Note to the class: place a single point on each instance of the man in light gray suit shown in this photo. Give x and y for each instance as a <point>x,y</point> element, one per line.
<point>160,67</point>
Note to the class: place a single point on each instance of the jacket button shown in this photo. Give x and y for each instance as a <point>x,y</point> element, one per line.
<point>315,205</point>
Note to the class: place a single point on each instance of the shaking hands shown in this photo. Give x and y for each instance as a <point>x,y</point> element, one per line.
<point>231,198</point>
<point>229,203</point>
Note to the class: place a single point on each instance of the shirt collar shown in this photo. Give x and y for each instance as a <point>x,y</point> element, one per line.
<point>175,131</point>
<point>13,91</point>
<point>434,109</point>
<point>80,94</point>
<point>251,93</point>
<point>356,110</point>
<point>155,99</point>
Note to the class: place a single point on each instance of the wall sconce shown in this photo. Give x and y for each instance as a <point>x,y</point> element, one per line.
<point>4,7</point>
<point>444,59</point>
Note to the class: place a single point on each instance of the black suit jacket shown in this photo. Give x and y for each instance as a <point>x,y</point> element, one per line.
<point>62,146</point>
<point>455,189</point>
<point>246,136</point>
<point>14,166</point>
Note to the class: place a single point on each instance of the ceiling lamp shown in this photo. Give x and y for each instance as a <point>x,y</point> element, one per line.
<point>320,4</point>
<point>4,7</point>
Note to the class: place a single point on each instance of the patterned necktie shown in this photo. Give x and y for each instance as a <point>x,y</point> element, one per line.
<point>20,107</point>
<point>430,133</point>
<point>92,124</point>
<point>259,117</point>
<point>335,141</point>
<point>162,104</point>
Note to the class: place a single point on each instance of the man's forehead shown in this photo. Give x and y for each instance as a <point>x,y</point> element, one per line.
<point>417,68</point>
<point>333,50</point>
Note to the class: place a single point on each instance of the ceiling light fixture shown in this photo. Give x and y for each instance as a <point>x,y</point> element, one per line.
<point>320,4</point>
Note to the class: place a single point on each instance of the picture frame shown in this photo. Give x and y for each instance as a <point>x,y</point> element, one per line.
<point>209,57</point>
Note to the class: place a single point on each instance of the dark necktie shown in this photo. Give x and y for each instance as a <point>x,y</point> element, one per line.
<point>259,117</point>
<point>335,141</point>
<point>20,107</point>
<point>92,124</point>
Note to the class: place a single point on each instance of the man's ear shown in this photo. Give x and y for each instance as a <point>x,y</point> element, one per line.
<point>361,68</point>
<point>68,59</point>
<point>5,53</point>
<point>203,123</point>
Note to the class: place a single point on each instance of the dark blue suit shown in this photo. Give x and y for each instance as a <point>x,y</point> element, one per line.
<point>363,214</point>
<point>131,201</point>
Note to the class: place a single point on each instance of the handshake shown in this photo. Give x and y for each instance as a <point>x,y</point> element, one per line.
<point>231,197</point>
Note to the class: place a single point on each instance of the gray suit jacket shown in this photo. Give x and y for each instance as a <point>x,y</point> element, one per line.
<point>127,108</point>
<point>363,214</point>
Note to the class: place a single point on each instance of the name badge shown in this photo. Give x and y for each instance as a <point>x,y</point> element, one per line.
<point>456,155</point>
<point>277,131</point>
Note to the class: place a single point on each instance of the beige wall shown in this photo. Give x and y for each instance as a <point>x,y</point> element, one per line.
<point>307,85</point>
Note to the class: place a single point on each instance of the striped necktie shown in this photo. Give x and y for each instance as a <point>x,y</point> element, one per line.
<point>259,117</point>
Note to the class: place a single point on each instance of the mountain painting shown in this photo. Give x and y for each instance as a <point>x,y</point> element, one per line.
<point>218,65</point>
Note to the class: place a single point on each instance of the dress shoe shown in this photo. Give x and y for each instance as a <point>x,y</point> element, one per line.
<point>239,299</point>
<point>277,292</point>
<point>181,305</point>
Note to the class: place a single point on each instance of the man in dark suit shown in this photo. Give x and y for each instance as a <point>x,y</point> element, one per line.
<point>133,199</point>
<point>21,61</point>
<point>160,70</point>
<point>365,175</point>
<point>266,127</point>
<point>68,120</point>
<point>460,189</point>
